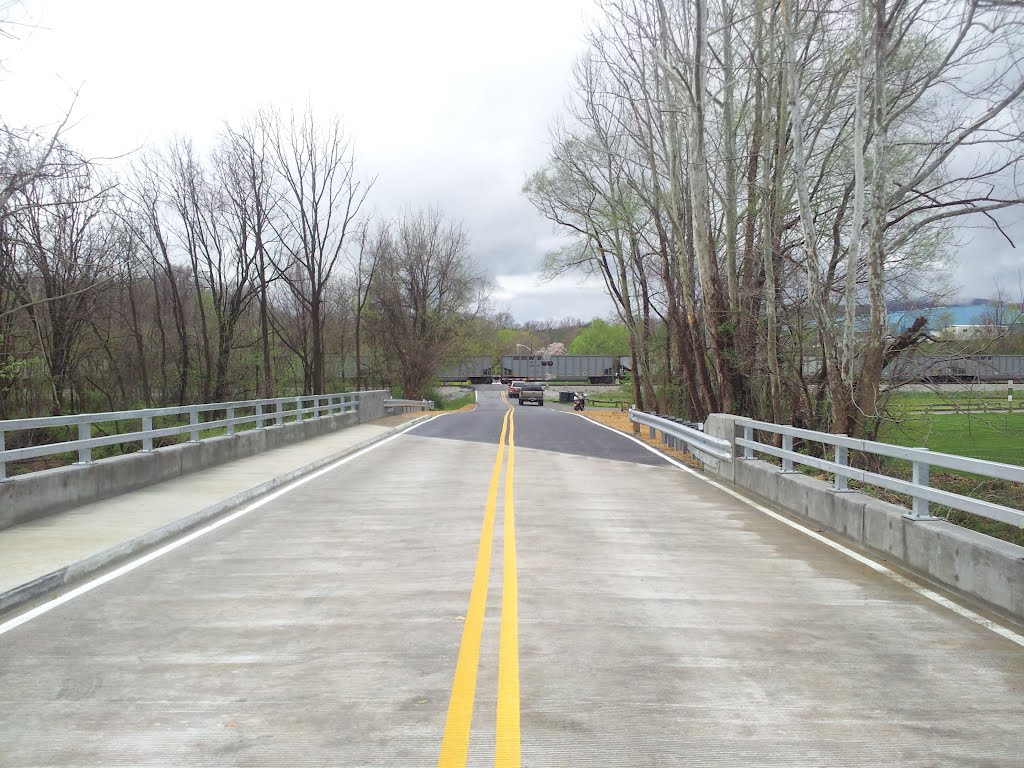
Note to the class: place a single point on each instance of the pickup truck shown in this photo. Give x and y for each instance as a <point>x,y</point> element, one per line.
<point>532,393</point>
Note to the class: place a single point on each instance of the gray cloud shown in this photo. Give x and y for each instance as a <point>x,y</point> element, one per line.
<point>987,263</point>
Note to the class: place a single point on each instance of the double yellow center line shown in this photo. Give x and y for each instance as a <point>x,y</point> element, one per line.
<point>455,742</point>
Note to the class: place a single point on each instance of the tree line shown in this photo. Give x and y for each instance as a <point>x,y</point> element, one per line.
<point>755,180</point>
<point>249,268</point>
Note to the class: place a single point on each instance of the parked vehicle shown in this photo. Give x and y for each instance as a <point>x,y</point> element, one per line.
<point>579,401</point>
<point>532,393</point>
<point>514,389</point>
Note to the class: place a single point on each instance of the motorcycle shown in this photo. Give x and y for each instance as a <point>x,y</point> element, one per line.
<point>579,401</point>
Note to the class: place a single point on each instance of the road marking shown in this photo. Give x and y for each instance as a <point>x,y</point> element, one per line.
<point>507,735</point>
<point>455,741</point>
<point>924,592</point>
<point>88,586</point>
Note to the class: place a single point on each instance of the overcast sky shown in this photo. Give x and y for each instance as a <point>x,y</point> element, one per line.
<point>448,103</point>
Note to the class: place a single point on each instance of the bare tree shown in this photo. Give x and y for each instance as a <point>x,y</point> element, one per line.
<point>748,130</point>
<point>320,202</point>
<point>427,292</point>
<point>254,198</point>
<point>61,238</point>
<point>146,196</point>
<point>371,248</point>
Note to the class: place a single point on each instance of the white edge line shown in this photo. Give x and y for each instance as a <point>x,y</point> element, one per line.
<point>935,597</point>
<point>88,586</point>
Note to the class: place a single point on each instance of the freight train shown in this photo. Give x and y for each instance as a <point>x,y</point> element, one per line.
<point>606,369</point>
<point>956,370</point>
<point>593,369</point>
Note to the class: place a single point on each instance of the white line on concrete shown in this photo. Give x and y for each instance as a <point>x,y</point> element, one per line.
<point>935,597</point>
<point>88,586</point>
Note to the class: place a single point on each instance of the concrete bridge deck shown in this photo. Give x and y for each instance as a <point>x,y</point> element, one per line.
<point>567,599</point>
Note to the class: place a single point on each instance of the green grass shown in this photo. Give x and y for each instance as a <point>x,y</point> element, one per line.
<point>966,400</point>
<point>453,405</point>
<point>990,436</point>
<point>994,437</point>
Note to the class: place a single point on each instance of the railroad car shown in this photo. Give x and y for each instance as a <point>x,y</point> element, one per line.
<point>957,369</point>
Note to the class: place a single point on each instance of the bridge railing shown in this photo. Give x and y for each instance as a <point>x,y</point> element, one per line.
<point>227,416</point>
<point>393,406</point>
<point>921,459</point>
<point>694,439</point>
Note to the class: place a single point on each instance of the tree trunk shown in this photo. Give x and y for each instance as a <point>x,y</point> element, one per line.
<point>874,348</point>
<point>825,325</point>
<point>316,327</point>
<point>853,253</point>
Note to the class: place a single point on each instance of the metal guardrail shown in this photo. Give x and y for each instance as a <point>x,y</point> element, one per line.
<point>695,440</point>
<point>262,413</point>
<point>921,461</point>
<point>407,406</point>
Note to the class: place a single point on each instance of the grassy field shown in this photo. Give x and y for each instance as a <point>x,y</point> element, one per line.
<point>952,401</point>
<point>990,436</point>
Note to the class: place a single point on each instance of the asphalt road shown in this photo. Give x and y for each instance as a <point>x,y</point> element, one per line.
<point>441,600</point>
<point>538,427</point>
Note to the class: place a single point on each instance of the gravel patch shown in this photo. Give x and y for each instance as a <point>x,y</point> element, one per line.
<point>450,393</point>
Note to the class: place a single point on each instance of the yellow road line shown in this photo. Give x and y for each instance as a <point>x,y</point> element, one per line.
<point>507,741</point>
<point>455,742</point>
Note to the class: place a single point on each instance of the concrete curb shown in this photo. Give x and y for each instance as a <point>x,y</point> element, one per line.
<point>18,596</point>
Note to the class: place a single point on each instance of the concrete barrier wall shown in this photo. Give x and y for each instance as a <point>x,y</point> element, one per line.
<point>978,566</point>
<point>371,405</point>
<point>36,495</point>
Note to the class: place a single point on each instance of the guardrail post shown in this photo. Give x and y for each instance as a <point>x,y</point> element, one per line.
<point>298,408</point>
<point>193,420</point>
<point>920,508</point>
<point>843,459</point>
<point>279,409</point>
<point>84,433</point>
<point>231,421</point>
<point>3,464</point>
<point>787,445</point>
<point>636,424</point>
<point>147,427</point>
<point>748,434</point>
<point>316,406</point>
<point>259,415</point>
